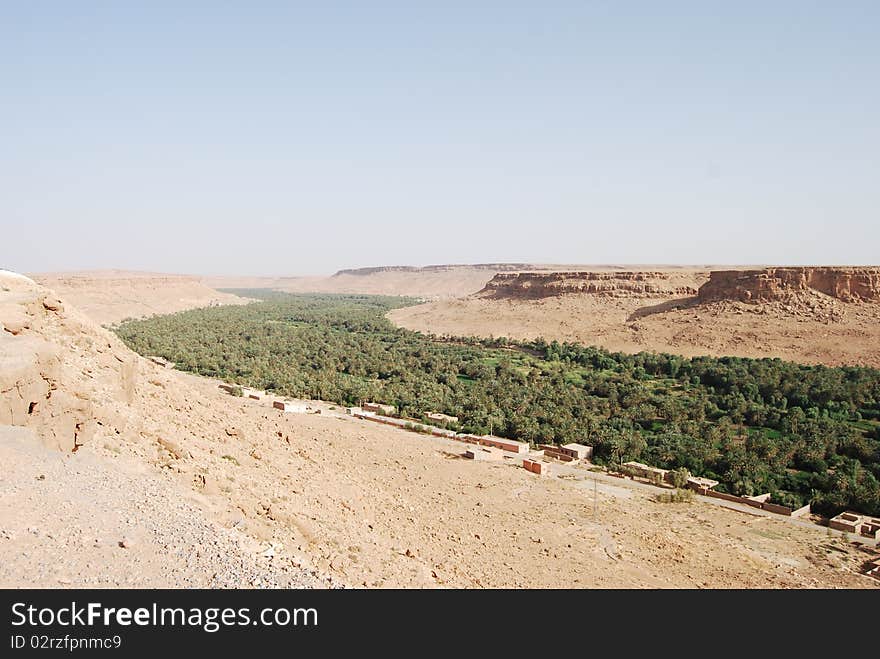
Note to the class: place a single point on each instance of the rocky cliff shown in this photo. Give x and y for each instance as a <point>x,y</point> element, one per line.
<point>535,285</point>
<point>53,360</point>
<point>770,284</point>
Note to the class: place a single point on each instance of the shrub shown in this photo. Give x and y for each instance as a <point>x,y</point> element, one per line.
<point>679,477</point>
<point>677,496</point>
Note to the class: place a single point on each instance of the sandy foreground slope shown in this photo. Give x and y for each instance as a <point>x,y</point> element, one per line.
<point>265,497</point>
<point>81,520</point>
<point>109,296</point>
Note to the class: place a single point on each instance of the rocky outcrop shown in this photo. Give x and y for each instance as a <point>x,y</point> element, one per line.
<point>772,284</point>
<point>536,285</point>
<point>53,360</point>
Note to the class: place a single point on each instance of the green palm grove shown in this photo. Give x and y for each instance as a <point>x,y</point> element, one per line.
<point>803,433</point>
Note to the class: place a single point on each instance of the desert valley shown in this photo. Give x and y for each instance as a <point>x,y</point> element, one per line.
<point>811,315</point>
<point>317,318</point>
<point>118,469</point>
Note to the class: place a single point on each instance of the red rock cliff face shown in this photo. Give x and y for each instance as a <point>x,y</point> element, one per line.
<point>534,285</point>
<point>847,284</point>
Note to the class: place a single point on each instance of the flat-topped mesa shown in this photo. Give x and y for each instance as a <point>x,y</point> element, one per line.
<point>769,284</point>
<point>500,267</point>
<point>535,285</point>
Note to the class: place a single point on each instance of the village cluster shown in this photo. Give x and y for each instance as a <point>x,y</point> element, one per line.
<point>485,447</point>
<point>539,460</point>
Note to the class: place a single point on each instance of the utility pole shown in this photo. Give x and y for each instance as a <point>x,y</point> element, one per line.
<point>595,498</point>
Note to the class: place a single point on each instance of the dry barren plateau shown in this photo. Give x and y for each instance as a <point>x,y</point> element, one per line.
<point>821,315</point>
<point>117,471</point>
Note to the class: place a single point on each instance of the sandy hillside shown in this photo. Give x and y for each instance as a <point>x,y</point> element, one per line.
<point>294,498</point>
<point>109,296</point>
<point>662,316</point>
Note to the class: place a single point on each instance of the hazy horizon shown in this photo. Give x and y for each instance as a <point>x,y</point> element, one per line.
<point>276,140</point>
<point>307,275</point>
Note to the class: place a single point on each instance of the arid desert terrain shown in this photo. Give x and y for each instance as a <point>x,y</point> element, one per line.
<point>661,311</point>
<point>115,471</point>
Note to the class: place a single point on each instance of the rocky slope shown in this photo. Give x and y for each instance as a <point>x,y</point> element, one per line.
<point>74,389</point>
<point>40,337</point>
<point>536,285</point>
<point>80,521</point>
<point>782,284</point>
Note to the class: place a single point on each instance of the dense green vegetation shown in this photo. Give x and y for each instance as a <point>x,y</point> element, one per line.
<point>804,433</point>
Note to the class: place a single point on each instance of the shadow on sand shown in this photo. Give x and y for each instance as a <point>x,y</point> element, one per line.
<point>669,305</point>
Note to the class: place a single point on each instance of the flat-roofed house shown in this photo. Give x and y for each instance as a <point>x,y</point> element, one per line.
<point>847,521</point>
<point>438,417</point>
<point>871,527</point>
<point>556,452</point>
<point>577,451</point>
<point>647,471</point>
<point>701,484</point>
<point>536,467</point>
<point>567,452</point>
<point>509,445</point>
<point>379,408</point>
<point>484,453</point>
<point>287,406</point>
<point>251,393</point>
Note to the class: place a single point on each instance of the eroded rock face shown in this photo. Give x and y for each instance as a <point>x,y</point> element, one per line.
<point>52,363</point>
<point>534,285</point>
<point>28,373</point>
<point>770,284</point>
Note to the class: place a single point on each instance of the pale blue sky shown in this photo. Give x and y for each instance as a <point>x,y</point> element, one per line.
<point>296,138</point>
